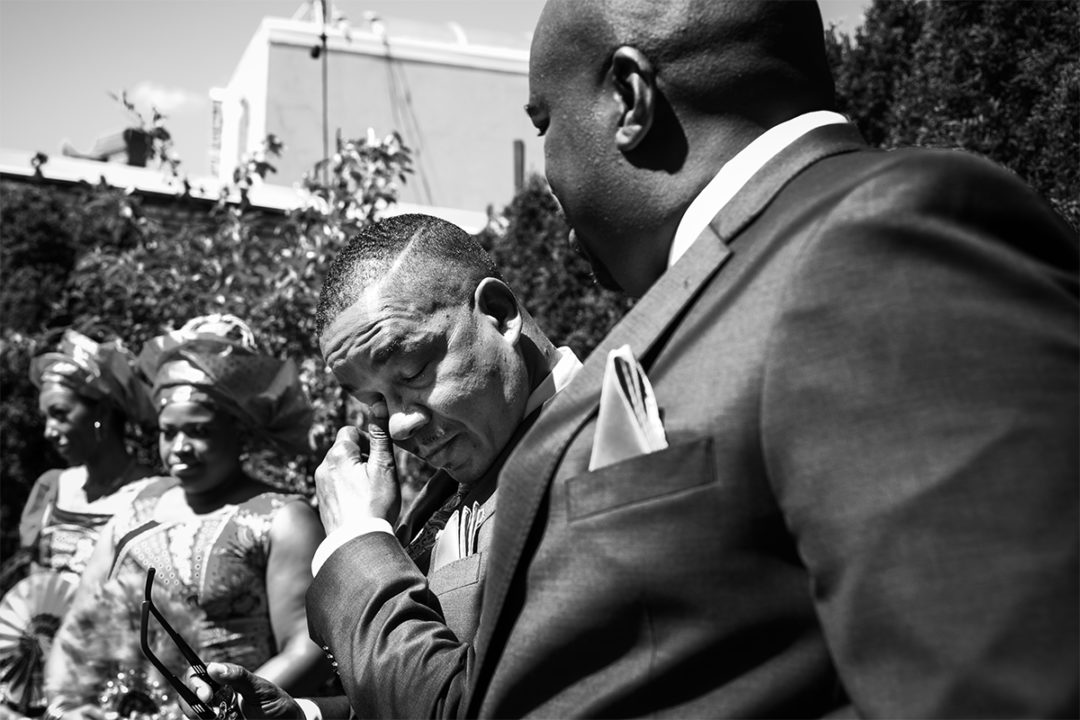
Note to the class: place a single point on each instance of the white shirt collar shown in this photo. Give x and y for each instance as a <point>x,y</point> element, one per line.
<point>559,377</point>
<point>737,171</point>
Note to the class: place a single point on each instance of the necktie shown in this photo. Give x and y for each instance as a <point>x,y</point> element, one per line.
<point>420,547</point>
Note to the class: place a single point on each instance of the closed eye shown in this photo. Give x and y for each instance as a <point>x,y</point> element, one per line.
<point>415,376</point>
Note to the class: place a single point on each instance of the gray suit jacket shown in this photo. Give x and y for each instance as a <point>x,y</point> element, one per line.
<point>454,589</point>
<point>868,372</point>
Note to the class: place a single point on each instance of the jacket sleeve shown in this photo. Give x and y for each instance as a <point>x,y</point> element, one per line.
<point>371,610</point>
<point>920,417</point>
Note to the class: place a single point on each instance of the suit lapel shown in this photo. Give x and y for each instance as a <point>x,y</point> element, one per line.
<point>759,191</point>
<point>524,479</point>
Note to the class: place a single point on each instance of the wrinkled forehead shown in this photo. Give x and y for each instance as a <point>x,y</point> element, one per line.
<point>385,320</point>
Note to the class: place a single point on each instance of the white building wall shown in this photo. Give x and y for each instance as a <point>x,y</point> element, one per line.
<point>457,105</point>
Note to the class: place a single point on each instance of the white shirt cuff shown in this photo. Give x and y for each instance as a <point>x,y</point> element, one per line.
<point>344,534</point>
<point>309,708</point>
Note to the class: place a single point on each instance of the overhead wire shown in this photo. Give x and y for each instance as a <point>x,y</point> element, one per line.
<point>402,109</point>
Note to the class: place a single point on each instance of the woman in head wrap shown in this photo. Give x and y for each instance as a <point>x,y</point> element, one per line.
<point>222,540</point>
<point>88,391</point>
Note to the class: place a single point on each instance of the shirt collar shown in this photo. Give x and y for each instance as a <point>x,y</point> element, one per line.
<point>559,377</point>
<point>737,171</point>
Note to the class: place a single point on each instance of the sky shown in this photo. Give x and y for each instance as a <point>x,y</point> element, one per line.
<point>60,59</point>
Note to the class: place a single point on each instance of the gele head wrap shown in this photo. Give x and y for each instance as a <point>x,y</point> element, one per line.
<point>98,371</point>
<point>214,360</point>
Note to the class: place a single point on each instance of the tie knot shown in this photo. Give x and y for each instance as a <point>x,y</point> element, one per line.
<point>440,516</point>
<point>420,548</point>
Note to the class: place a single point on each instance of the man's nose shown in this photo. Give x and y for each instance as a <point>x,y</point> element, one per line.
<point>405,421</point>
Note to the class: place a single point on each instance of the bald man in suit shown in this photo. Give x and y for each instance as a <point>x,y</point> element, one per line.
<point>864,363</point>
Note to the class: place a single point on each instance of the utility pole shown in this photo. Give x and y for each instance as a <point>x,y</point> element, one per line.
<point>319,52</point>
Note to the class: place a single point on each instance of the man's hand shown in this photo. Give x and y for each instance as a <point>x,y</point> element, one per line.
<point>349,488</point>
<point>259,698</point>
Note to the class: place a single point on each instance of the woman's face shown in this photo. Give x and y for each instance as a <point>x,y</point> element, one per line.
<point>69,423</point>
<point>199,445</point>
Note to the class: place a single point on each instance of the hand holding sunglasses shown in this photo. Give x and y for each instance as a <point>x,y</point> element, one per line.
<point>224,704</point>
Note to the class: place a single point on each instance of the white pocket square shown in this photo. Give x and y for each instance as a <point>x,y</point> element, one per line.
<point>628,423</point>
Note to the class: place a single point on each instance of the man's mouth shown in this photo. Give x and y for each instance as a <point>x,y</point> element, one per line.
<point>437,446</point>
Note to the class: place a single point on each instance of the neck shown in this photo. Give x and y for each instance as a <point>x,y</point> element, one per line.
<point>711,146</point>
<point>106,471</point>
<point>653,258</point>
<point>541,356</point>
<point>236,489</point>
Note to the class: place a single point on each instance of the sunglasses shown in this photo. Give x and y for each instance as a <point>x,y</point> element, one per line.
<point>225,704</point>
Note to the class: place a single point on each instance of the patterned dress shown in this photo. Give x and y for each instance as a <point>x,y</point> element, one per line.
<point>62,537</point>
<point>57,531</point>
<point>216,561</point>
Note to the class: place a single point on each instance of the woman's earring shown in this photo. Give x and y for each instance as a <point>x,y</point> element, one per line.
<point>97,430</point>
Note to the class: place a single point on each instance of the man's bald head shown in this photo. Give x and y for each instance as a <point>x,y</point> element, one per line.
<point>440,260</point>
<point>641,102</point>
<point>761,58</point>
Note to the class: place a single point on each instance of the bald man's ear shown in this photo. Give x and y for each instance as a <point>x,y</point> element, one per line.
<point>495,300</point>
<point>635,83</point>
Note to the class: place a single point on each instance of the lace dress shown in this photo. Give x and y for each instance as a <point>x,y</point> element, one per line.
<point>216,561</point>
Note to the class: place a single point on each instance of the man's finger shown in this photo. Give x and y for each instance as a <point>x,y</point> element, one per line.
<point>348,436</point>
<point>378,432</point>
<point>236,677</point>
<point>198,686</point>
<point>344,453</point>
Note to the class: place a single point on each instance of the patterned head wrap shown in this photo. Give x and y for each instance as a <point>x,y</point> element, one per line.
<point>214,360</point>
<point>98,371</point>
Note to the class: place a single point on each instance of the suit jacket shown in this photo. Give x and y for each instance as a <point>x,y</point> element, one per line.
<point>867,369</point>
<point>353,604</point>
<point>455,587</point>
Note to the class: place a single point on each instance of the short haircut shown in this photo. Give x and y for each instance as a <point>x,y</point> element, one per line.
<point>442,262</point>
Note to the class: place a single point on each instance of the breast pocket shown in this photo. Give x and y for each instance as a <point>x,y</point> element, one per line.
<point>459,588</point>
<point>640,479</point>
<point>461,572</point>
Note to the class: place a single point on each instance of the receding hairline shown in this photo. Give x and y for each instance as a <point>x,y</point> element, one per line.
<point>437,262</point>
<point>442,287</point>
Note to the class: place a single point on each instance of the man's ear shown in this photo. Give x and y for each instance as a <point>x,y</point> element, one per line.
<point>495,300</point>
<point>635,82</point>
